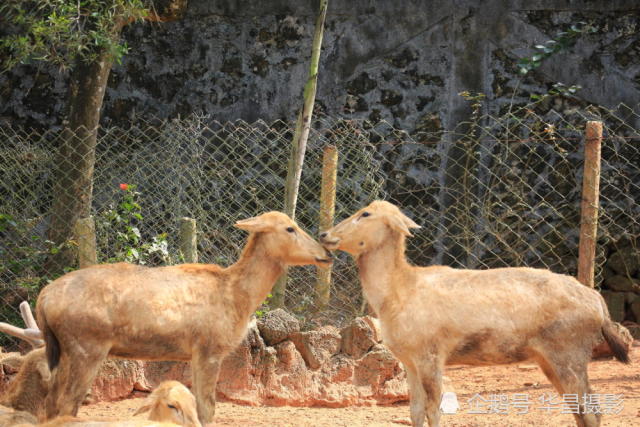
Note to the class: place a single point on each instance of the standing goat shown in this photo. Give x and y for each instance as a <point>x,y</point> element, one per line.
<point>436,316</point>
<point>193,312</point>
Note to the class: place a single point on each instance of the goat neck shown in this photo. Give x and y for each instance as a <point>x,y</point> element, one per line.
<point>253,275</point>
<point>382,272</point>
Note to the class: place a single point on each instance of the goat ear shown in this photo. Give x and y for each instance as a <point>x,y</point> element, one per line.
<point>144,408</point>
<point>190,414</point>
<point>409,222</point>
<point>254,225</point>
<point>401,223</point>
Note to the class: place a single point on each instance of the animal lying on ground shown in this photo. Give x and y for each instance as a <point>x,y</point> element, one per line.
<point>68,421</point>
<point>170,404</point>
<point>435,316</point>
<point>172,401</point>
<point>193,312</point>
<point>28,389</point>
<point>9,417</point>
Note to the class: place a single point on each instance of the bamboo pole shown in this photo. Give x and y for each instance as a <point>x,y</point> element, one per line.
<point>85,233</point>
<point>589,207</point>
<point>299,142</point>
<point>187,241</point>
<point>327,213</point>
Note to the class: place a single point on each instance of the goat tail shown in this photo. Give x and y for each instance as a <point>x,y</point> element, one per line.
<point>617,345</point>
<point>52,345</point>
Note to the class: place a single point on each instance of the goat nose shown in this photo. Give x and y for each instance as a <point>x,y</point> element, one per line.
<point>323,235</point>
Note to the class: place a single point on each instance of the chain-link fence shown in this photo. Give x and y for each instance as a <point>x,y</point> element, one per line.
<point>500,191</point>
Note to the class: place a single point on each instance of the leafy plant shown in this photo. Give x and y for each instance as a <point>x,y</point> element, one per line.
<point>122,222</point>
<point>62,31</point>
<point>563,40</point>
<point>23,255</point>
<point>476,100</point>
<point>557,89</point>
<point>264,307</point>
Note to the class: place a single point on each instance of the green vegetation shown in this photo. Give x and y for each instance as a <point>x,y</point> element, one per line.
<point>63,31</point>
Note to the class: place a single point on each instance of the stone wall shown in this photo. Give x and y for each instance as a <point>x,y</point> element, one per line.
<point>621,288</point>
<point>277,364</point>
<point>404,62</point>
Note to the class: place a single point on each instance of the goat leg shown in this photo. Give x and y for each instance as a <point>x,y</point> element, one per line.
<point>205,369</point>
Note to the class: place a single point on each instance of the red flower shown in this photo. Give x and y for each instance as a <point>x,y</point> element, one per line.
<point>124,187</point>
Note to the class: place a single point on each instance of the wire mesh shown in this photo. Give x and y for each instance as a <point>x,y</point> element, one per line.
<point>497,191</point>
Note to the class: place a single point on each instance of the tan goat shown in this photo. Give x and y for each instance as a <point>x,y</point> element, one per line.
<point>9,417</point>
<point>68,421</point>
<point>435,316</point>
<point>193,312</point>
<point>172,401</point>
<point>170,404</point>
<point>28,389</point>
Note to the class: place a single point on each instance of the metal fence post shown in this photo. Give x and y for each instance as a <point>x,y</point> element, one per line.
<point>327,212</point>
<point>85,233</point>
<point>187,241</point>
<point>589,206</point>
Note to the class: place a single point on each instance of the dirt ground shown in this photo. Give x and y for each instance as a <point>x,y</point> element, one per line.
<point>614,384</point>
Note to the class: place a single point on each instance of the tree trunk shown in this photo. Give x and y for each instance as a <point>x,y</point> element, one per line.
<point>73,184</point>
<point>299,143</point>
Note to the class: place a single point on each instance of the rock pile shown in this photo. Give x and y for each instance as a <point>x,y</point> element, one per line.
<point>621,289</point>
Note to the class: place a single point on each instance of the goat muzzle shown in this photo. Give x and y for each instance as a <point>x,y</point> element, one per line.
<point>328,259</point>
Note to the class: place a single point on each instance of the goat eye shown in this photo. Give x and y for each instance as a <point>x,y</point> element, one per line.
<point>290,229</point>
<point>365,214</point>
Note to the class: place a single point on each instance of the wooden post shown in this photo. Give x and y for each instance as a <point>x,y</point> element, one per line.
<point>299,143</point>
<point>85,233</point>
<point>327,212</point>
<point>187,241</point>
<point>589,207</point>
